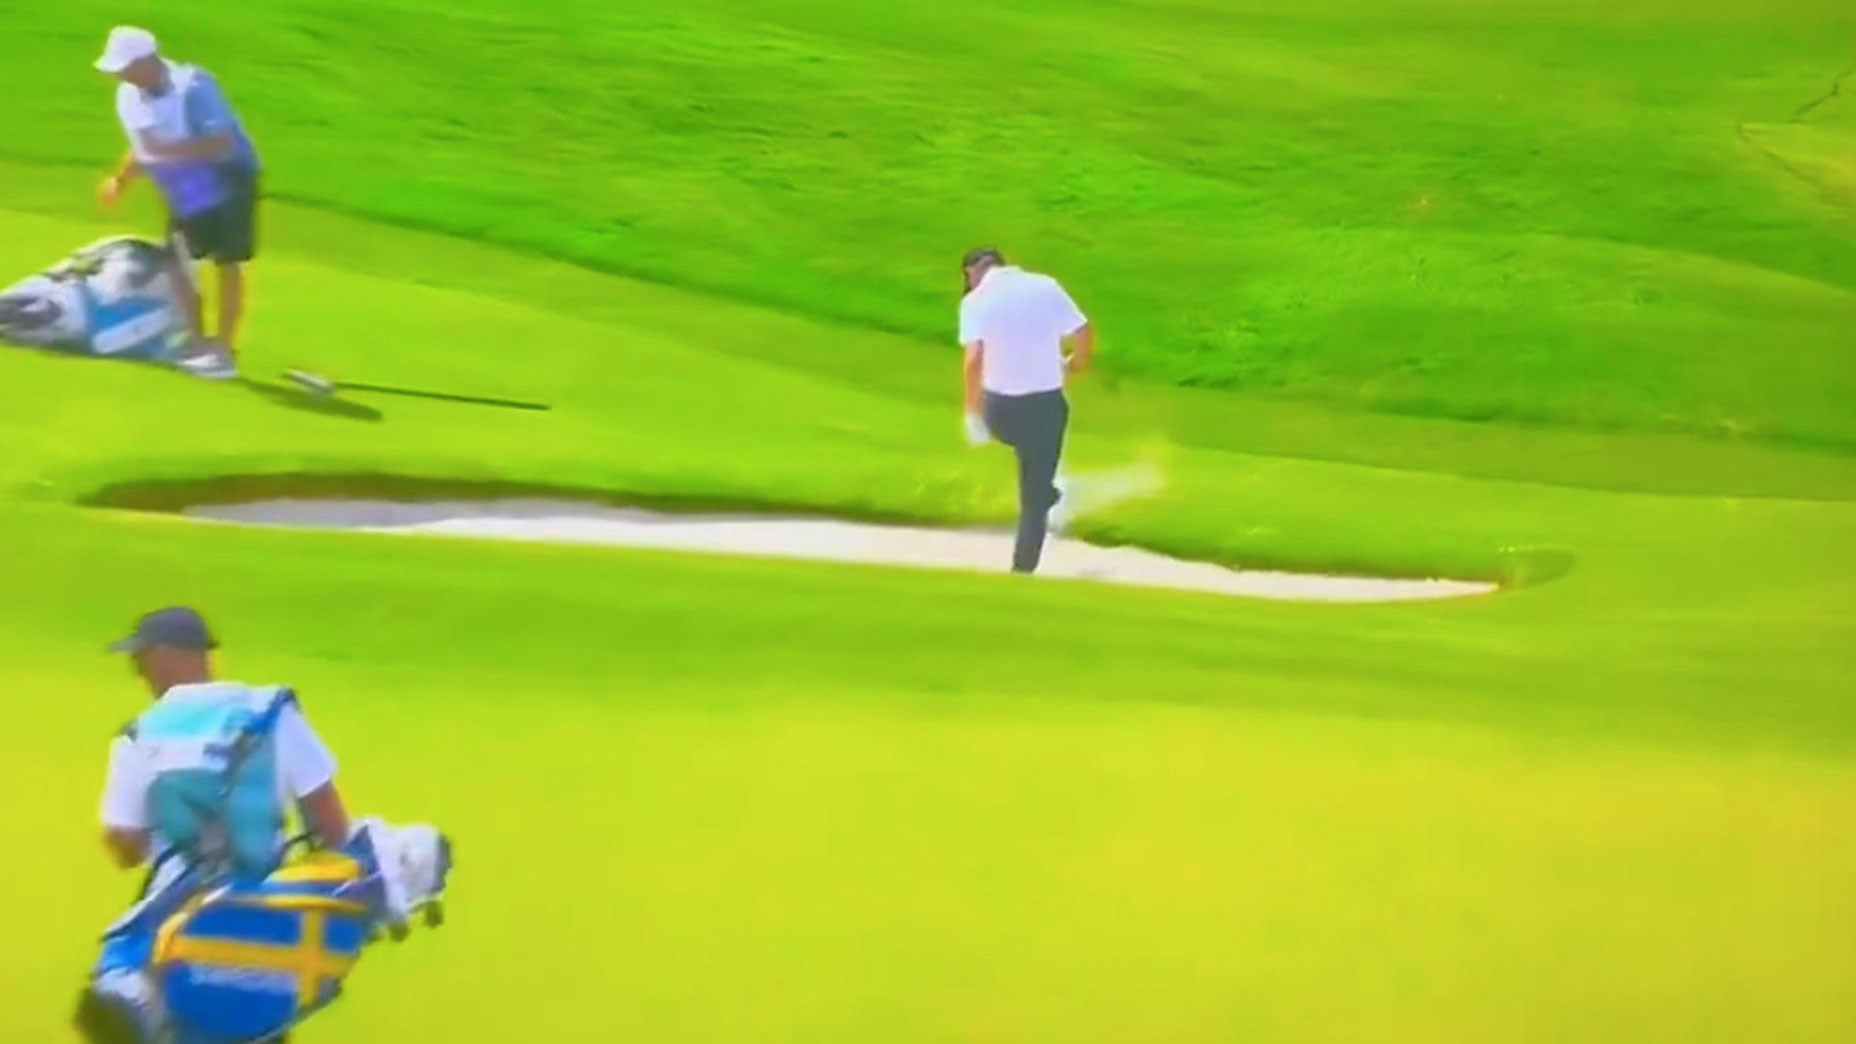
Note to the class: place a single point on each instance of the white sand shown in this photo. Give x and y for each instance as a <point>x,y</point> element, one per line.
<point>820,539</point>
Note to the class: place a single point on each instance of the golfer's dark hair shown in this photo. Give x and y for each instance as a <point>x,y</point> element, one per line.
<point>974,258</point>
<point>981,256</point>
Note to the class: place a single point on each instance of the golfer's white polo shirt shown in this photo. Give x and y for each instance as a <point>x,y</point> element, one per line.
<point>304,766</point>
<point>1020,320</point>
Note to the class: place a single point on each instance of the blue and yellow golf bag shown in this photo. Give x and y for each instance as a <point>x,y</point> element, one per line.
<point>234,942</point>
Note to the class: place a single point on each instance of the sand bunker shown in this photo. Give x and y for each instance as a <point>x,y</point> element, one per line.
<point>819,539</point>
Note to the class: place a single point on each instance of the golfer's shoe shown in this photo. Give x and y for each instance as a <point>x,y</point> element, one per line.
<point>1063,512</point>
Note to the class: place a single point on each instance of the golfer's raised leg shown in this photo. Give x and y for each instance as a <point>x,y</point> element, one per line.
<point>1039,447</point>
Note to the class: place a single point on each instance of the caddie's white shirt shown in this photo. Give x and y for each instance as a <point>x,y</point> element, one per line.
<point>1019,319</point>
<point>304,766</point>
<point>153,119</point>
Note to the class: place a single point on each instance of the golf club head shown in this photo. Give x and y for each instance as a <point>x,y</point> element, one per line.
<point>313,383</point>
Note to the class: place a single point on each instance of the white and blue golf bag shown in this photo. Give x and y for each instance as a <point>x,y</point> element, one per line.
<point>233,940</point>
<point>116,298</point>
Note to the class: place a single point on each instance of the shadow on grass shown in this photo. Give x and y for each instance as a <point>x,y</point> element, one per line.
<point>173,495</point>
<point>438,396</point>
<point>325,405</point>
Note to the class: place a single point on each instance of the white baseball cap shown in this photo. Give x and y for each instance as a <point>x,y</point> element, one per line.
<point>127,45</point>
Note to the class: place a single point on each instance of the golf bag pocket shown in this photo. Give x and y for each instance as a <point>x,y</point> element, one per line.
<point>199,813</point>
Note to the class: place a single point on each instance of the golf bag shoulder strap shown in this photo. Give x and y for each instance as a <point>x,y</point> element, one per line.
<point>259,730</point>
<point>277,699</point>
<point>215,794</point>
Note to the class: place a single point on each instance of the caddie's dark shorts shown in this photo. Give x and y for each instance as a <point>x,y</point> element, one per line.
<point>228,233</point>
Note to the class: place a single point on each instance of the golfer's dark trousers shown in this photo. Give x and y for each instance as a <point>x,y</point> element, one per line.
<point>1033,425</point>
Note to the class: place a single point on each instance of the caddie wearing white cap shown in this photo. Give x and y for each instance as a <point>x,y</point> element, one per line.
<point>185,138</point>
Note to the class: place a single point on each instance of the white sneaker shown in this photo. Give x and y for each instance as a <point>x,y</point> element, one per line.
<point>1063,512</point>
<point>213,365</point>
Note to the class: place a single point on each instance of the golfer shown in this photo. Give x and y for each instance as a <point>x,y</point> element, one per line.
<point>185,733</point>
<point>185,138</point>
<point>1015,326</point>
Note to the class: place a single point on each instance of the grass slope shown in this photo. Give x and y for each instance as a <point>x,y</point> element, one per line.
<point>715,800</point>
<point>1536,212</point>
<point>827,803</point>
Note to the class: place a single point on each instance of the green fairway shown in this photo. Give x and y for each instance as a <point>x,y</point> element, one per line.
<point>1484,294</point>
<point>1568,210</point>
